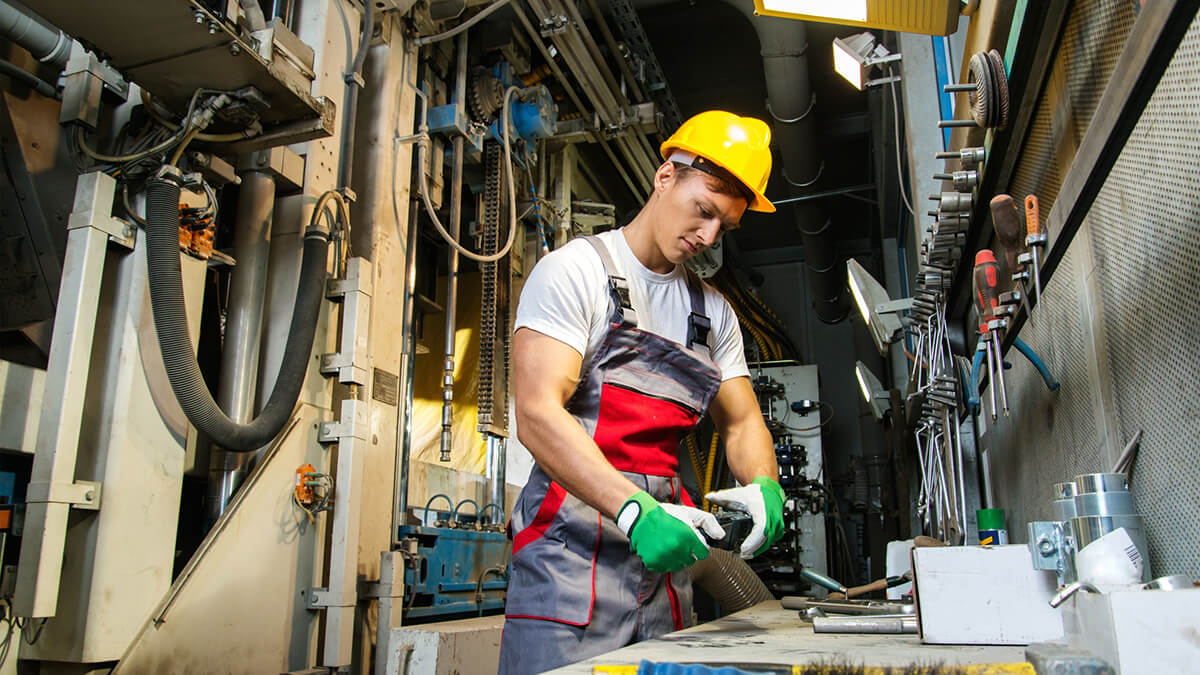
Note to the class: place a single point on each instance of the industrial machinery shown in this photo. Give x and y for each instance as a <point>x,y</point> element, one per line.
<point>260,262</point>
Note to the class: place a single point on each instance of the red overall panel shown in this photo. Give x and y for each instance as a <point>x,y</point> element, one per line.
<point>640,433</point>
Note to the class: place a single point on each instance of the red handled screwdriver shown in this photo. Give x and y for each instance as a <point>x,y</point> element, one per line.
<point>987,298</point>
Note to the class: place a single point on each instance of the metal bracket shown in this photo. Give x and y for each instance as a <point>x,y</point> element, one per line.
<point>353,423</point>
<point>352,362</point>
<point>894,306</point>
<point>84,495</point>
<point>318,598</point>
<point>94,194</point>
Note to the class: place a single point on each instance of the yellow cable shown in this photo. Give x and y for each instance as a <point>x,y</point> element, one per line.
<point>183,146</point>
<point>249,132</point>
<point>708,469</point>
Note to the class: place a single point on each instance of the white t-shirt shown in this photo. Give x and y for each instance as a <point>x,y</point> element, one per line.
<point>566,297</point>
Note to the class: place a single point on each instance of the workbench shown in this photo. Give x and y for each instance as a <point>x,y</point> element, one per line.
<point>768,633</point>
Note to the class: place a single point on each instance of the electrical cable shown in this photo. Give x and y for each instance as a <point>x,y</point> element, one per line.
<point>254,129</point>
<point>182,146</point>
<point>421,42</point>
<point>708,470</point>
<point>512,192</point>
<point>896,129</point>
<point>824,422</point>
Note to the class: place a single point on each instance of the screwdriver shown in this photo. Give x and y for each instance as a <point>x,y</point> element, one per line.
<point>1035,239</point>
<point>1007,221</point>
<point>987,297</point>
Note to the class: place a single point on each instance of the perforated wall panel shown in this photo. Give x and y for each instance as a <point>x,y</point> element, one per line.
<point>1118,327</point>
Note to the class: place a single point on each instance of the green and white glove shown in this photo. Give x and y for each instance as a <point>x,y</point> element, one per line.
<point>666,536</point>
<point>763,500</point>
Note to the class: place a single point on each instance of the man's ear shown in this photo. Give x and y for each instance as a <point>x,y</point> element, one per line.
<point>664,176</point>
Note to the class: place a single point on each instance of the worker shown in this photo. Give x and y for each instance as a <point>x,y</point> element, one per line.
<point>619,350</point>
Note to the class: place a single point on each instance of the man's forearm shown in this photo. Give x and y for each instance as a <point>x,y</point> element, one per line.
<point>564,451</point>
<point>750,453</point>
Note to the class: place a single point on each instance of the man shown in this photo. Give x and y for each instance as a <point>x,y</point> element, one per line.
<point>618,350</point>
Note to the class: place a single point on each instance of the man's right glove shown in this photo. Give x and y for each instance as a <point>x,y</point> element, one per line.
<point>666,536</point>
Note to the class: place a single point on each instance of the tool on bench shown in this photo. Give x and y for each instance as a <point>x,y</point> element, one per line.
<point>1036,240</point>
<point>737,526</point>
<point>987,299</point>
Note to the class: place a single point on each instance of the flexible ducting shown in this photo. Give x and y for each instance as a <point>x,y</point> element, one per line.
<point>730,581</point>
<point>179,357</point>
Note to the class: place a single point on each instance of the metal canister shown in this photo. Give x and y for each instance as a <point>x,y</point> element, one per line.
<point>1087,529</point>
<point>1103,494</point>
<point>1064,501</point>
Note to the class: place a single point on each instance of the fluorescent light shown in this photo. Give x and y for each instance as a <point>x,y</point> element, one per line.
<point>863,308</point>
<point>862,383</point>
<point>872,390</point>
<point>846,10</point>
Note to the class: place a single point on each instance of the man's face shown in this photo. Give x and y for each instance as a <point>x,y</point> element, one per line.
<point>693,216</point>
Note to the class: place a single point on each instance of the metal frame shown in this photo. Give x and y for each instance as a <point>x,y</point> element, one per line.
<point>53,490</point>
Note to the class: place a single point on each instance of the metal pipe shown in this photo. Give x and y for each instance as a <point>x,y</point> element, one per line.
<point>593,49</point>
<point>243,331</point>
<point>47,44</point>
<point>496,451</point>
<point>404,409</point>
<point>460,88</point>
<point>29,79</point>
<point>783,43</point>
<point>865,624</point>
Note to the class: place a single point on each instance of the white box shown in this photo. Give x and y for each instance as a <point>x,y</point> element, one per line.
<point>975,595</point>
<point>1138,632</point>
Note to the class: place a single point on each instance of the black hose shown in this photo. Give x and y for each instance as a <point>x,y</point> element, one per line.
<point>170,322</point>
<point>28,79</point>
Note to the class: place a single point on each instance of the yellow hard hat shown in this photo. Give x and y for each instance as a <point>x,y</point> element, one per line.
<point>739,145</point>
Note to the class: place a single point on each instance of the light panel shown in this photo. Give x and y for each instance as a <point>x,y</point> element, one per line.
<point>928,17</point>
<point>846,10</point>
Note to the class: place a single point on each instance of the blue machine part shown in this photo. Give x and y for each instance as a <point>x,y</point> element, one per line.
<point>8,486</point>
<point>452,565</point>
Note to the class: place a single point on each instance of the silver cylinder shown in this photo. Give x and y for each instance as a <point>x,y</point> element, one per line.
<point>865,624</point>
<point>1087,529</point>
<point>1064,501</point>
<point>496,450</point>
<point>1101,482</point>
<point>243,330</point>
<point>1104,504</point>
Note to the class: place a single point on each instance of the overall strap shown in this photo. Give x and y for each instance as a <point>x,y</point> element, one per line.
<point>698,323</point>
<point>618,287</point>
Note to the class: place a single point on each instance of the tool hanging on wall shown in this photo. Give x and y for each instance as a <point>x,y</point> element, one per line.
<point>988,89</point>
<point>987,299</point>
<point>1006,220</point>
<point>1036,239</point>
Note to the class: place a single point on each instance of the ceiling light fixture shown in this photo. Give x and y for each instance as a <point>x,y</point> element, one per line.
<point>856,56</point>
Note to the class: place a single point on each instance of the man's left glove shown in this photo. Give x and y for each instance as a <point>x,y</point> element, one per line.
<point>763,500</point>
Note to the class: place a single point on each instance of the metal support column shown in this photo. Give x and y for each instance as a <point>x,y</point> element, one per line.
<point>243,330</point>
<point>52,488</point>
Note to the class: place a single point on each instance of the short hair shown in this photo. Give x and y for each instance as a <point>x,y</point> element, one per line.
<point>725,185</point>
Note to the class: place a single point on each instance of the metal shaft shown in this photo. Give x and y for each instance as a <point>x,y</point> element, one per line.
<point>243,331</point>
<point>452,259</point>
<point>1037,277</point>
<point>405,399</point>
<point>991,373</point>
<point>1000,373</point>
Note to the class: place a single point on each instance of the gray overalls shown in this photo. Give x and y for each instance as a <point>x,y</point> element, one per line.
<point>575,589</point>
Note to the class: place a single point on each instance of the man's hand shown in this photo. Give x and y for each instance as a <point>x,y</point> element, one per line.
<point>763,500</point>
<point>666,536</point>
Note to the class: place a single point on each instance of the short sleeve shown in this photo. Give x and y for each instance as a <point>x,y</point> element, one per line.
<point>727,349</point>
<point>560,295</point>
